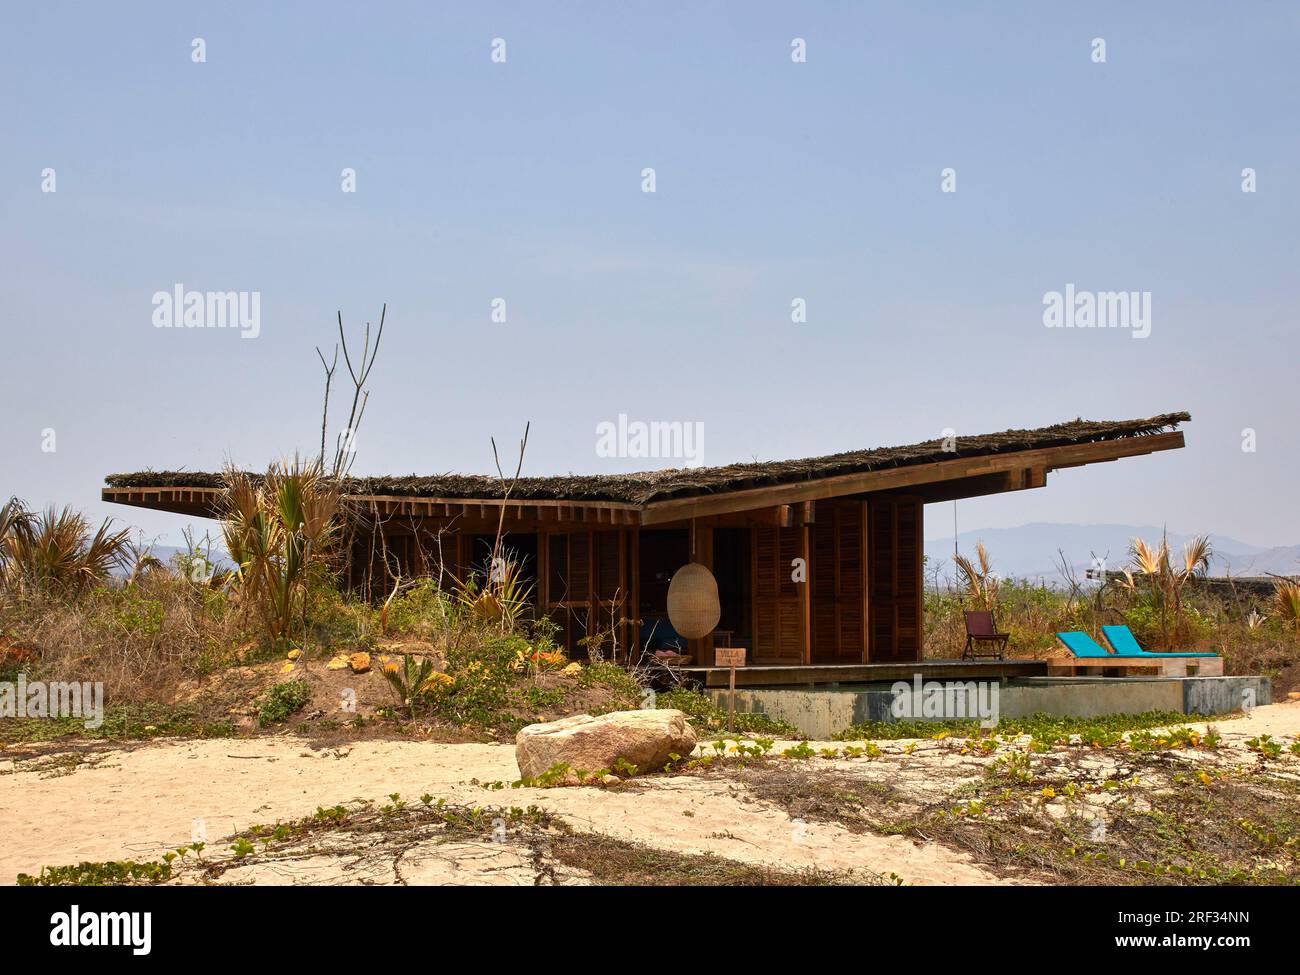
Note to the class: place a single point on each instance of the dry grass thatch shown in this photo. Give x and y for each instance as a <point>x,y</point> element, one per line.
<point>642,488</point>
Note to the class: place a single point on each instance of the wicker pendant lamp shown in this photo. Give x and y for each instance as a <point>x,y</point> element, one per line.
<point>693,607</point>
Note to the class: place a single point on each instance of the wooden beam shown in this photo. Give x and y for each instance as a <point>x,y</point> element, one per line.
<point>1048,458</point>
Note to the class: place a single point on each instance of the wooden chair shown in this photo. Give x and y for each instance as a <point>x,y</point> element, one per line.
<point>980,630</point>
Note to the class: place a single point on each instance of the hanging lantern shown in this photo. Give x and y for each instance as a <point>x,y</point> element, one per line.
<point>693,607</point>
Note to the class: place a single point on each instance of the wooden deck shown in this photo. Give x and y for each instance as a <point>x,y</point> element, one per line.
<point>782,675</point>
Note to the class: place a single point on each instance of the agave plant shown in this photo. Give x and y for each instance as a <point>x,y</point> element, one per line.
<point>503,598</point>
<point>56,548</point>
<point>981,582</point>
<point>279,530</point>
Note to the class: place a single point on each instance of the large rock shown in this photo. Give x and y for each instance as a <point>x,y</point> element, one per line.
<point>645,739</point>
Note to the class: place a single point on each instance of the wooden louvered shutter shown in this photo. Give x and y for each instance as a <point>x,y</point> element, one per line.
<point>894,578</point>
<point>838,603</point>
<point>907,591</point>
<point>778,624</point>
<point>608,565</point>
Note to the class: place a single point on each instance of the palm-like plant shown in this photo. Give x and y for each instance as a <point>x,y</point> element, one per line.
<point>139,561</point>
<point>1165,578</point>
<point>279,530</point>
<point>413,679</point>
<point>1286,599</point>
<point>15,533</point>
<point>56,548</point>
<point>981,582</point>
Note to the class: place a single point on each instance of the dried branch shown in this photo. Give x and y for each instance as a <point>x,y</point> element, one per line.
<point>360,374</point>
<point>325,410</point>
<point>505,493</point>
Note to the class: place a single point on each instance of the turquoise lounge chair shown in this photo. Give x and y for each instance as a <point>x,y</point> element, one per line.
<point>1081,645</point>
<point>1088,653</point>
<point>1124,643</point>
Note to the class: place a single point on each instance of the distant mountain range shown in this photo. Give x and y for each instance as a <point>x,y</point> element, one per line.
<point>166,553</point>
<point>1032,551</point>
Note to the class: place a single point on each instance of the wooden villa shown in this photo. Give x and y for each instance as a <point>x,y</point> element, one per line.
<point>600,550</point>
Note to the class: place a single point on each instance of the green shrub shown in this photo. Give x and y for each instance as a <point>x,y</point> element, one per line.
<point>626,692</point>
<point>282,700</point>
<point>424,610</point>
<point>100,874</point>
<point>708,715</point>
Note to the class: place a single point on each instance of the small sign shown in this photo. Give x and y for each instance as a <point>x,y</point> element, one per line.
<point>729,656</point>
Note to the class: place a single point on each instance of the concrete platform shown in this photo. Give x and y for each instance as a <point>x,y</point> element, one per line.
<point>822,675</point>
<point>821,712</point>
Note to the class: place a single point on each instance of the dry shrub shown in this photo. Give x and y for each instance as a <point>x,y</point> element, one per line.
<point>55,549</point>
<point>140,640</point>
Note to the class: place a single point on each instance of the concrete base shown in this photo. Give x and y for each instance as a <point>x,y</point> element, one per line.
<point>820,714</point>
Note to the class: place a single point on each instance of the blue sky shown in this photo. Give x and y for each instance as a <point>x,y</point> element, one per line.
<point>774,180</point>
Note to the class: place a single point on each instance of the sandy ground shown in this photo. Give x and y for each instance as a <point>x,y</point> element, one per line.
<point>137,801</point>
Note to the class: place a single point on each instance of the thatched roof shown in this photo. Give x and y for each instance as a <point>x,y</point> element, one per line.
<point>659,485</point>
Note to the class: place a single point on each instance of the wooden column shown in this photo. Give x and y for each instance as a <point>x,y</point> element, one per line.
<point>920,579</point>
<point>633,645</point>
<point>702,649</point>
<point>804,529</point>
<point>866,582</point>
<point>464,555</point>
<point>543,572</point>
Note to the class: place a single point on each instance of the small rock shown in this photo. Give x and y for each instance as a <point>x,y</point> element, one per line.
<point>359,662</point>
<point>337,663</point>
<point>287,669</point>
<point>294,654</point>
<point>610,779</point>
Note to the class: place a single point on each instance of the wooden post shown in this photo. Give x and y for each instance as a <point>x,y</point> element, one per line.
<point>702,649</point>
<point>731,657</point>
<point>634,601</point>
<point>864,512</point>
<point>805,588</point>
<point>731,701</point>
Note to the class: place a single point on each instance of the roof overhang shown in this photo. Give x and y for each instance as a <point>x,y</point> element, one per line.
<point>941,480</point>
